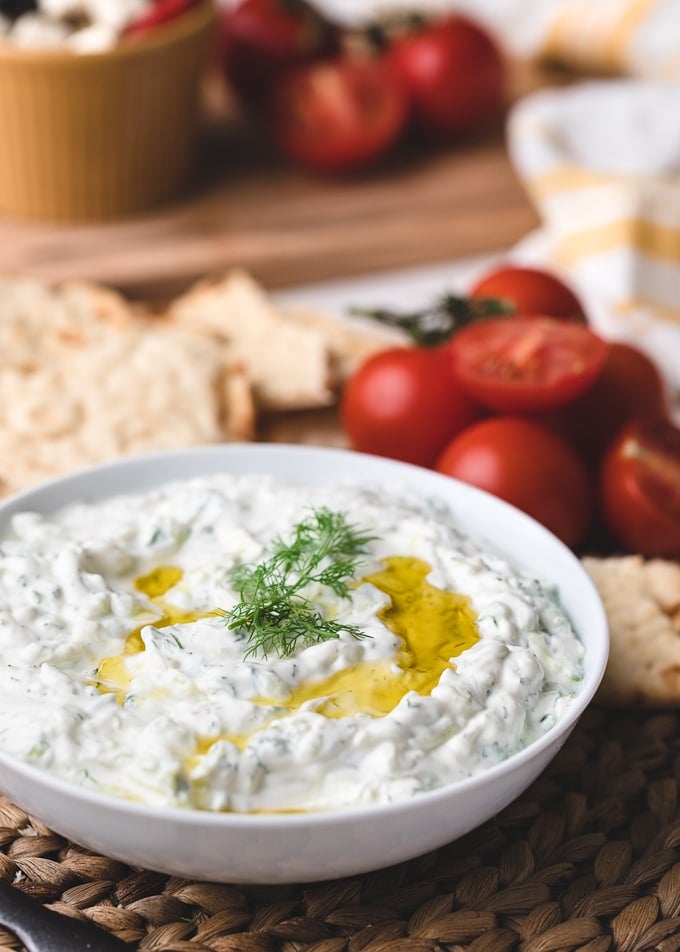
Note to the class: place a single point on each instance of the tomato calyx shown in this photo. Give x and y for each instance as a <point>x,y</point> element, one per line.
<point>382,31</point>
<point>436,324</point>
<point>512,292</point>
<point>294,7</point>
<point>261,40</point>
<point>314,29</point>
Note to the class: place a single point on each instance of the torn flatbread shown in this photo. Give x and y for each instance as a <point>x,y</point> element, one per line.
<point>287,364</point>
<point>84,380</point>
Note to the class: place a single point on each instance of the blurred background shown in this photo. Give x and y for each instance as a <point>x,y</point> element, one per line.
<point>336,156</point>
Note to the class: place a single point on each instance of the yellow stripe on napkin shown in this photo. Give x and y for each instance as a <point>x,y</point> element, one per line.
<point>564,178</point>
<point>597,34</point>
<point>664,313</point>
<point>647,237</point>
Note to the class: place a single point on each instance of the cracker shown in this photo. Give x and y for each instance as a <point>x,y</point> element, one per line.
<point>641,599</point>
<point>288,364</point>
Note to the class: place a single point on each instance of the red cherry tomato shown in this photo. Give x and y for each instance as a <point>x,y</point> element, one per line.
<point>338,116</point>
<point>529,467</point>
<point>405,404</point>
<point>534,364</point>
<point>530,291</point>
<point>161,12</point>
<point>454,74</point>
<point>260,39</point>
<point>640,488</point>
<point>629,386</point>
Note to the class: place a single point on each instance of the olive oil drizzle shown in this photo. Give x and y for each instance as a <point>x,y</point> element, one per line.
<point>433,625</point>
<point>113,676</point>
<point>159,581</point>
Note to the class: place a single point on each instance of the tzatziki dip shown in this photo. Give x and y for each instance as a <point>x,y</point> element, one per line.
<point>246,644</point>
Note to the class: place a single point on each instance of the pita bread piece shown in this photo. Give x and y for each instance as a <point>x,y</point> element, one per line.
<point>288,365</point>
<point>39,323</point>
<point>144,389</point>
<point>350,340</point>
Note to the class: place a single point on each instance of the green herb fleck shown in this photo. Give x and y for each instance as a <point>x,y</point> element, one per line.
<point>39,749</point>
<point>272,614</point>
<point>166,636</point>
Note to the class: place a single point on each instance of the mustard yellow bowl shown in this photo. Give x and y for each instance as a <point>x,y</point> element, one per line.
<point>88,136</point>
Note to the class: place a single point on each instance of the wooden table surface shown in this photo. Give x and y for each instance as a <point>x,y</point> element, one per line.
<point>248,207</point>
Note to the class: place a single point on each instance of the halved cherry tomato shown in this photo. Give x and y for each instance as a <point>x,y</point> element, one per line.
<point>260,39</point>
<point>161,12</point>
<point>640,488</point>
<point>454,73</point>
<point>530,291</point>
<point>405,404</point>
<point>529,467</point>
<point>534,364</point>
<point>629,386</point>
<point>338,116</point>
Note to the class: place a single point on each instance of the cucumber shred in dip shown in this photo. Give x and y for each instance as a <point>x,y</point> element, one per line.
<point>120,671</point>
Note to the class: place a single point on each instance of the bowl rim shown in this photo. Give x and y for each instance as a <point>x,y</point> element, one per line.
<point>598,655</point>
<point>193,21</point>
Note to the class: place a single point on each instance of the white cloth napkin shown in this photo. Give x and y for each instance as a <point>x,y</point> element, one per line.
<point>601,161</point>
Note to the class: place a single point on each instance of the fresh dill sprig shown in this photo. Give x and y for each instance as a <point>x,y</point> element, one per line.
<point>272,614</point>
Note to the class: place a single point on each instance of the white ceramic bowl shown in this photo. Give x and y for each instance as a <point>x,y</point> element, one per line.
<point>299,848</point>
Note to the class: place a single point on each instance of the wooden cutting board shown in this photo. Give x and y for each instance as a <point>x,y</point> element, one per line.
<point>248,207</point>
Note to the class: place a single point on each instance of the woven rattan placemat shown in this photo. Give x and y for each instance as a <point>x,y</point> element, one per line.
<point>588,858</point>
